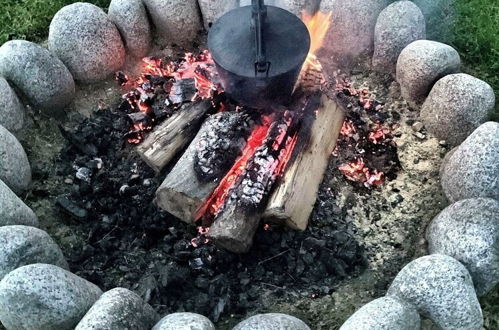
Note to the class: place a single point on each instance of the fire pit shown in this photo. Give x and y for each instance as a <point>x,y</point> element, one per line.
<point>210,187</point>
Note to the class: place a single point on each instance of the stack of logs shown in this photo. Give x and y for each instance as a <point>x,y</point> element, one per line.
<point>292,196</point>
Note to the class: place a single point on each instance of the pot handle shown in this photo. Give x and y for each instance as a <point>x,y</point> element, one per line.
<point>259,13</point>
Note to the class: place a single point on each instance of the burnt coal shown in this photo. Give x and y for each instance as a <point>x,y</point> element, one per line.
<point>183,91</point>
<point>129,242</point>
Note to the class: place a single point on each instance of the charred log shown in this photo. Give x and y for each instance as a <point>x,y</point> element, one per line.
<point>294,196</point>
<point>235,227</point>
<point>159,148</point>
<point>183,192</point>
<point>220,144</point>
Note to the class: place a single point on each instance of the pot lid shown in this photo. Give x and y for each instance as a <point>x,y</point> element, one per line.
<point>232,43</point>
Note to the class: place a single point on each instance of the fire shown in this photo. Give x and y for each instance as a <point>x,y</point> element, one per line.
<point>317,25</point>
<point>358,171</point>
<point>213,204</point>
<point>311,76</point>
<point>157,75</point>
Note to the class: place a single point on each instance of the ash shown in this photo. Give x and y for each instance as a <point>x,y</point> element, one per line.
<point>221,144</point>
<point>129,242</point>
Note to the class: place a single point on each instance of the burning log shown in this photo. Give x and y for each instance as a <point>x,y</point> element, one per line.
<point>294,196</point>
<point>159,148</point>
<point>238,201</point>
<point>184,190</point>
<point>235,228</point>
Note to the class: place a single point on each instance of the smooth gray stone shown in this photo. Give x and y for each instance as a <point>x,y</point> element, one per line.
<point>468,231</point>
<point>398,25</point>
<point>40,75</point>
<point>327,6</point>
<point>298,6</point>
<point>351,34</point>
<point>386,313</point>
<point>13,211</point>
<point>473,168</point>
<point>456,106</point>
<point>86,40</point>
<point>23,245</point>
<point>213,10</point>
<point>441,289</point>
<point>421,64</point>
<point>15,170</point>
<point>176,21</point>
<point>119,309</point>
<point>130,17</point>
<point>272,321</point>
<point>187,321</point>
<point>12,114</point>
<point>41,296</point>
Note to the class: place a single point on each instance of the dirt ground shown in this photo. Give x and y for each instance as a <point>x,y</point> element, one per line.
<point>389,221</point>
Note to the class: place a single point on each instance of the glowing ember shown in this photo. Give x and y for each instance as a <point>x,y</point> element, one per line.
<point>159,78</point>
<point>380,134</point>
<point>358,171</point>
<point>348,129</point>
<point>213,204</point>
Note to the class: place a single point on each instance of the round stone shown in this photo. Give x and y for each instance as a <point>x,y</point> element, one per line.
<point>351,33</point>
<point>213,10</point>
<point>176,21</point>
<point>327,6</point>
<point>386,313</point>
<point>298,6</point>
<point>421,64</point>
<point>177,321</point>
<point>119,309</point>
<point>23,245</point>
<point>11,109</point>
<point>15,170</point>
<point>441,289</point>
<point>40,75</point>
<point>13,211</point>
<point>130,17</point>
<point>272,321</point>
<point>473,168</point>
<point>41,296</point>
<point>86,40</point>
<point>398,25</point>
<point>456,106</point>
<point>468,231</point>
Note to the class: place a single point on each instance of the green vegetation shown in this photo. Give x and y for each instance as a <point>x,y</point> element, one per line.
<point>474,33</point>
<point>476,36</point>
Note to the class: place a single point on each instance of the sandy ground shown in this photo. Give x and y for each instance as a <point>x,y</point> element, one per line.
<point>390,221</point>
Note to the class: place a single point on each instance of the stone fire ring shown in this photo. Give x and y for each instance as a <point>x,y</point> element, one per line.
<point>87,45</point>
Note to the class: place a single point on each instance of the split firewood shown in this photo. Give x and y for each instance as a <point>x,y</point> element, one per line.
<point>192,180</point>
<point>234,228</point>
<point>294,196</point>
<point>161,146</point>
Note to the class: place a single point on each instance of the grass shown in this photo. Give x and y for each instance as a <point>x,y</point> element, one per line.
<point>474,33</point>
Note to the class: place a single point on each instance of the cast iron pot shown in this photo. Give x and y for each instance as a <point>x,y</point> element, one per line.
<point>259,51</point>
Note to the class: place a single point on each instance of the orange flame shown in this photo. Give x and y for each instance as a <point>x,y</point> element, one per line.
<point>317,25</point>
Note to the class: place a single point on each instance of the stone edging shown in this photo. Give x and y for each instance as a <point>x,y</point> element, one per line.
<point>467,176</point>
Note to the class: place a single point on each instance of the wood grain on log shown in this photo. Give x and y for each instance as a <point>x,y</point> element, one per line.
<point>294,196</point>
<point>234,228</point>
<point>161,146</point>
<point>183,191</point>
